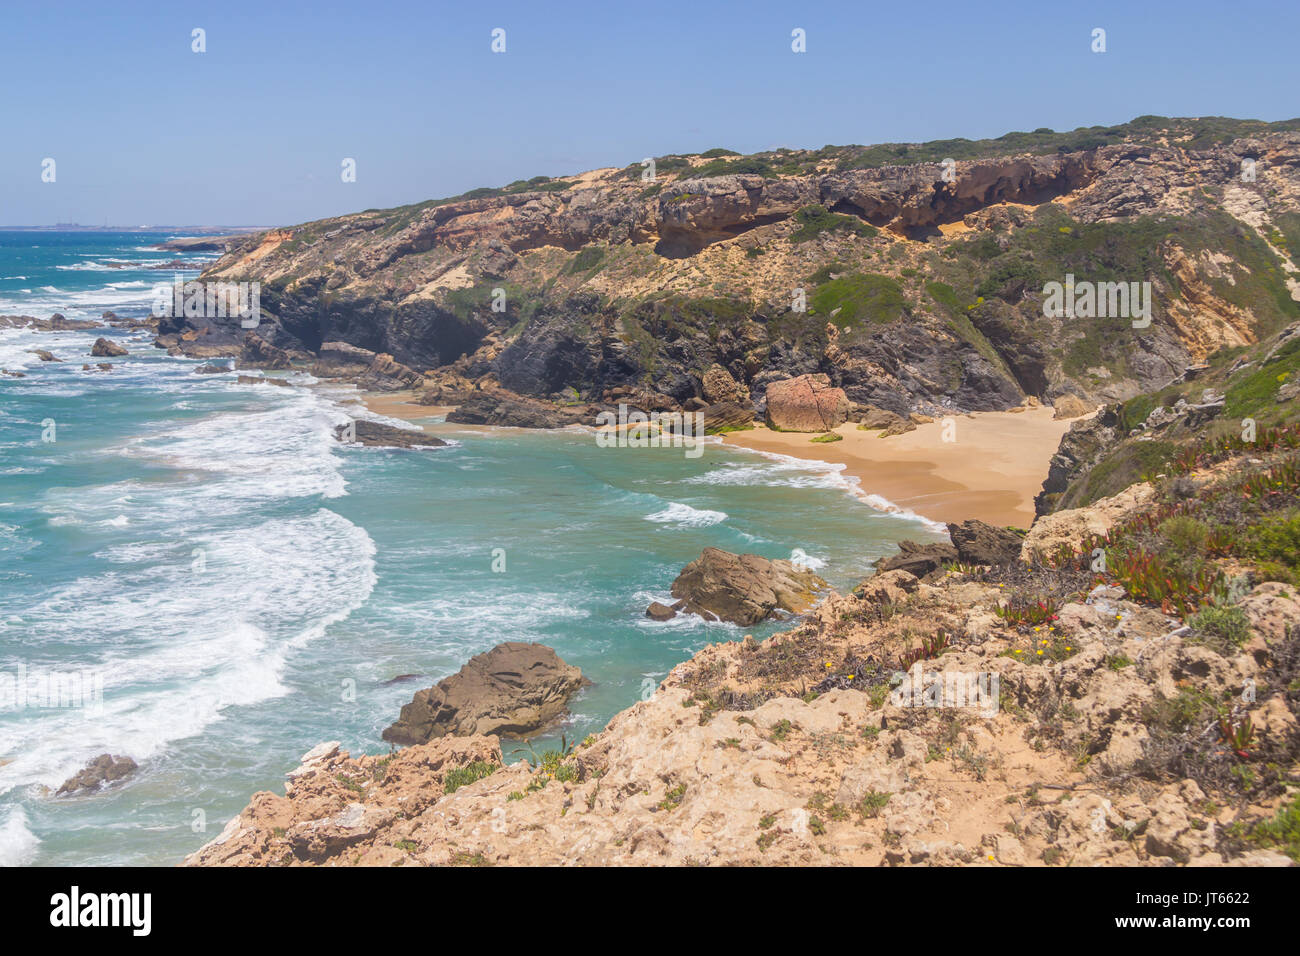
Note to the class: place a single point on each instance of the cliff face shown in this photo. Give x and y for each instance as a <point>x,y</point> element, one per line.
<point>1089,739</point>
<point>914,287</point>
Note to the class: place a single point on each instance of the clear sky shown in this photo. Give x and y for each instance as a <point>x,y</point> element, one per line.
<point>254,131</point>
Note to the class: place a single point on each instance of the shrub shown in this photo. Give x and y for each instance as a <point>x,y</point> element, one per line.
<point>1225,626</point>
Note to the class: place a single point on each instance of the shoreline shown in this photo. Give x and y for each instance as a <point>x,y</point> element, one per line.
<point>991,471</point>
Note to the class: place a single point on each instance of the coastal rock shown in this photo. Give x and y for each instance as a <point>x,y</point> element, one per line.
<point>345,354</point>
<point>103,348</point>
<point>719,387</point>
<point>869,417</point>
<point>807,403</point>
<point>918,559</point>
<point>744,588</point>
<point>514,690</point>
<point>385,374</point>
<point>1070,406</point>
<point>362,431</point>
<point>211,369</point>
<point>727,416</point>
<point>980,543</point>
<point>259,353</point>
<point>899,427</point>
<point>100,772</point>
<point>503,408</point>
<point>660,612</point>
<point>45,356</point>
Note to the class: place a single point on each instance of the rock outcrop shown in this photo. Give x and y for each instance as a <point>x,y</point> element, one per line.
<point>513,690</point>
<point>104,770</point>
<point>259,353</point>
<point>918,559</point>
<point>980,543</point>
<point>744,588</point>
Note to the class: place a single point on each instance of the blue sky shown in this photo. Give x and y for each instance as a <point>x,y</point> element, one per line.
<point>253,131</point>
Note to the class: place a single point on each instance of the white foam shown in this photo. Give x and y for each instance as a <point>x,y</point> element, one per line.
<point>17,842</point>
<point>686,516</point>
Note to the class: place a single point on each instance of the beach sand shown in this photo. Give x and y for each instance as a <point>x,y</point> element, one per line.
<point>401,405</point>
<point>991,470</point>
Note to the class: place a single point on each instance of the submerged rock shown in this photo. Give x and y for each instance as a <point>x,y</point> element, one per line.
<point>744,588</point>
<point>513,690</point>
<point>103,770</point>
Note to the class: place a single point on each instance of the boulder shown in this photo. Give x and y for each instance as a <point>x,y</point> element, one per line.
<point>918,559</point>
<point>362,431</point>
<point>45,356</point>
<point>103,348</point>
<point>870,417</point>
<point>103,770</point>
<point>660,612</point>
<point>259,353</point>
<point>744,588</point>
<point>808,403</point>
<point>980,543</point>
<point>718,386</point>
<point>1071,406</point>
<point>513,690</point>
<point>211,369</point>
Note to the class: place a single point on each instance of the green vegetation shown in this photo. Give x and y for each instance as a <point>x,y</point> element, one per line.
<point>460,776</point>
<point>815,220</point>
<point>860,298</point>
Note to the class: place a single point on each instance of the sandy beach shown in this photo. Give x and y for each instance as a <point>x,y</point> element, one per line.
<point>991,470</point>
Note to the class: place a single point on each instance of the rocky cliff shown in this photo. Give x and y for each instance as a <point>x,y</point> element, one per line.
<point>914,284</point>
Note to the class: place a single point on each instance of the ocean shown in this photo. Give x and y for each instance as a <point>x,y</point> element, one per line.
<point>230,586</point>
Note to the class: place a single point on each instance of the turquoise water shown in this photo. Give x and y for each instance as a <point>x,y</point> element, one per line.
<point>245,587</point>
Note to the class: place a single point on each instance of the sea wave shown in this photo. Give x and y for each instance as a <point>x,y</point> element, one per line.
<point>685,516</point>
